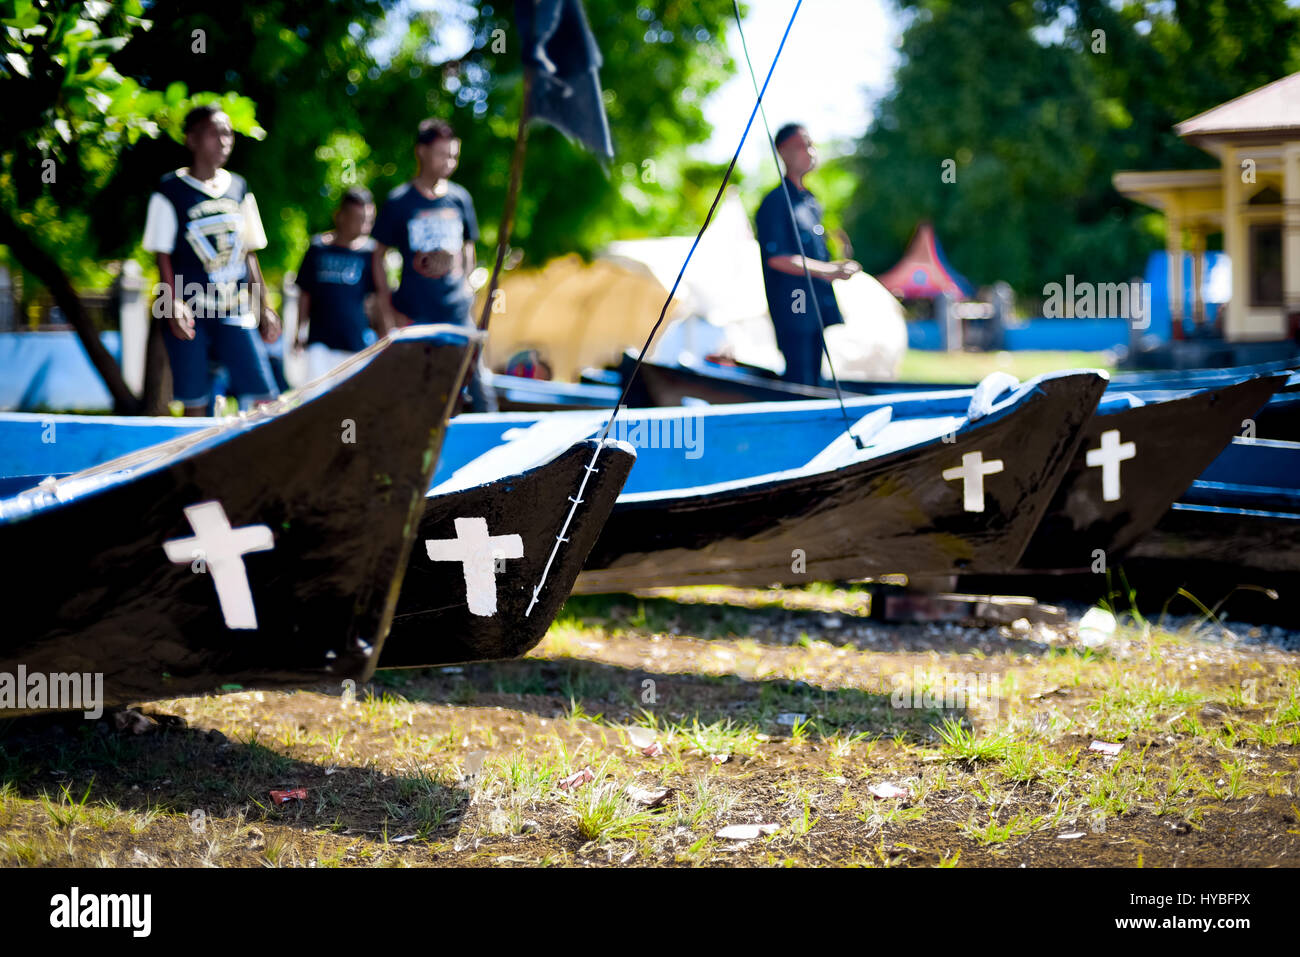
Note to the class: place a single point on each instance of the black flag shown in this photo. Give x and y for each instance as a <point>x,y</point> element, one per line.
<point>561,52</point>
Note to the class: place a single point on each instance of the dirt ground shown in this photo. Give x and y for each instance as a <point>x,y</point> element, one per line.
<point>703,727</point>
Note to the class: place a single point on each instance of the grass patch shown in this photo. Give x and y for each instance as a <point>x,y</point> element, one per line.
<point>604,812</point>
<point>963,744</point>
<point>920,365</point>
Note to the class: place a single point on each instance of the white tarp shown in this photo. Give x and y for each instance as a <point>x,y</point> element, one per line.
<point>724,308</point>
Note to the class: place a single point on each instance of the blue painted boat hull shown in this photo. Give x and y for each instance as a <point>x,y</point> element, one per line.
<point>1244,511</point>
<point>671,385</point>
<point>1231,542</point>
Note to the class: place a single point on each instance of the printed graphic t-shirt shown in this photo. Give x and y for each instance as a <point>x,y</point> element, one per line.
<point>338,278</point>
<point>776,238</point>
<point>208,229</point>
<point>413,223</point>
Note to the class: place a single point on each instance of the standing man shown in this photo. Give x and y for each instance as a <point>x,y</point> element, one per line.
<point>431,221</point>
<point>798,334</point>
<point>335,278</point>
<point>204,227</point>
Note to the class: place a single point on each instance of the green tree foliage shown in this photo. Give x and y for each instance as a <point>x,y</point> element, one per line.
<point>1036,112</point>
<point>69,116</point>
<point>327,96</point>
<point>1170,62</point>
<point>340,87</point>
<point>301,62</point>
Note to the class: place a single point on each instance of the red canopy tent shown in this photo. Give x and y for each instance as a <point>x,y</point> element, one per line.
<point>924,272</point>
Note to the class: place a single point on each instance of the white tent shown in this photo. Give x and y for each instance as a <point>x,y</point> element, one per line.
<point>724,308</point>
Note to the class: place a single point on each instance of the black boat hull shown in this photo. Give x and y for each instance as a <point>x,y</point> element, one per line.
<point>1239,538</point>
<point>1172,442</point>
<point>892,514</point>
<point>435,623</point>
<point>667,385</point>
<point>337,481</point>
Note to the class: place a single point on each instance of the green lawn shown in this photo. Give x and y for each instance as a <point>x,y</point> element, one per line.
<point>925,366</point>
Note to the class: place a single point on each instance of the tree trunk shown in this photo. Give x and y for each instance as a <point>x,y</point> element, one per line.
<point>157,370</point>
<point>45,268</point>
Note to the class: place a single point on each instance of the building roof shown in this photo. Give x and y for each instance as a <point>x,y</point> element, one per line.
<point>1266,112</point>
<point>924,271</point>
<point>1194,196</point>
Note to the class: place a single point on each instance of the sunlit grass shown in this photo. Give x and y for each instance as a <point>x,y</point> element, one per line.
<point>921,365</point>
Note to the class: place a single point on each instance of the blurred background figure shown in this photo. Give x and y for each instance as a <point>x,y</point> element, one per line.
<point>431,221</point>
<point>335,278</point>
<point>785,259</point>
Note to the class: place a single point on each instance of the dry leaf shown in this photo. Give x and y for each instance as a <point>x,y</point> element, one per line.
<point>576,779</point>
<point>650,797</point>
<point>284,797</point>
<point>887,790</point>
<point>1071,836</point>
<point>641,738</point>
<point>133,721</point>
<point>1106,747</point>
<point>653,749</point>
<point>474,763</point>
<point>746,832</point>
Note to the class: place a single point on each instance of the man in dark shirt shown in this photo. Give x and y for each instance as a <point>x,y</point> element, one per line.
<point>431,221</point>
<point>798,335</point>
<point>334,279</point>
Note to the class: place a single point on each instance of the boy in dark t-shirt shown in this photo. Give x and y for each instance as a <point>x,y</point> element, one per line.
<point>431,222</point>
<point>335,278</point>
<point>204,227</point>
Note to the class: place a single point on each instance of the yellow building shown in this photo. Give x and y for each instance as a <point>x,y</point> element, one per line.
<point>1253,199</point>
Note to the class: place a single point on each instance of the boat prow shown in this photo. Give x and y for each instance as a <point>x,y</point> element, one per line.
<point>927,495</point>
<point>263,551</point>
<point>482,582</point>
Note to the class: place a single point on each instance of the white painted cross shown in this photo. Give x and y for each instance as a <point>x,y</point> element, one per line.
<point>222,549</point>
<point>1108,456</point>
<point>477,551</point>
<point>972,470</point>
